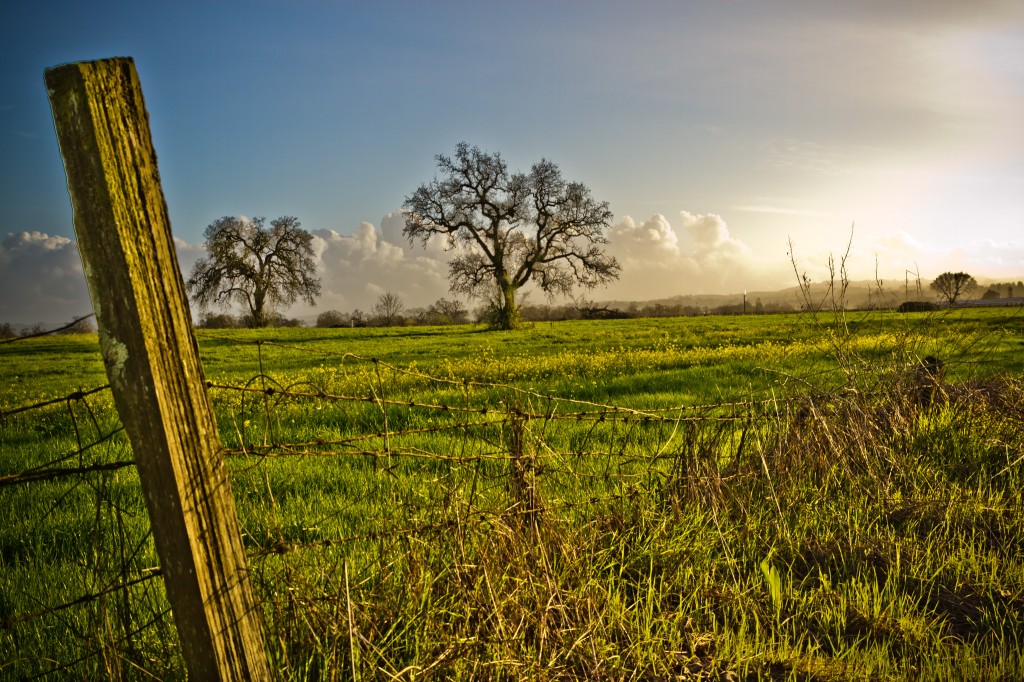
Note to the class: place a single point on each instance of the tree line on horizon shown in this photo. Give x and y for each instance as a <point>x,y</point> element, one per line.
<point>506,230</point>
<point>451,312</point>
<point>390,310</point>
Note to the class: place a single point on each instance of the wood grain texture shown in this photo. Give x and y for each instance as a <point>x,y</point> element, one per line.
<point>152,360</point>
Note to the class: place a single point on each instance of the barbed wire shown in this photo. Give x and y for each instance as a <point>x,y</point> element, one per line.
<point>492,423</point>
<point>471,383</point>
<point>126,638</point>
<point>70,397</point>
<point>150,574</point>
<point>47,332</point>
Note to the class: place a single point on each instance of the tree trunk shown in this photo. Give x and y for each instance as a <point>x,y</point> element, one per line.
<point>259,315</point>
<point>508,313</point>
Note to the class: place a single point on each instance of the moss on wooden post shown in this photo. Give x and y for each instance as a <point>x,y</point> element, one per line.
<point>152,360</point>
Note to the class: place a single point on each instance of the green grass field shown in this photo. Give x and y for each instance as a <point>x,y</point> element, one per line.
<point>751,497</point>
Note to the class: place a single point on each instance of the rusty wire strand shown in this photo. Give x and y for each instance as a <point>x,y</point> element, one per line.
<point>34,335</point>
<point>496,416</point>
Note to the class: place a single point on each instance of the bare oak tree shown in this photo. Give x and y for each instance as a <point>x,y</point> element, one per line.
<point>258,267</point>
<point>953,285</point>
<point>387,308</point>
<point>514,229</point>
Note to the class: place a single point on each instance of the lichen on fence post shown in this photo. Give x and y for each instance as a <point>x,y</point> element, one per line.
<point>152,361</point>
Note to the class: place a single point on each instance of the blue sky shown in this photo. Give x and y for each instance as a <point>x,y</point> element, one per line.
<point>718,131</point>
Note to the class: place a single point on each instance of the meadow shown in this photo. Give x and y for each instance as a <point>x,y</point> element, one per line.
<point>785,497</point>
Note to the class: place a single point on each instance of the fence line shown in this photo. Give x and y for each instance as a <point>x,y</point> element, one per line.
<point>47,332</point>
<point>467,383</point>
<point>151,574</point>
<point>639,447</point>
<point>71,397</point>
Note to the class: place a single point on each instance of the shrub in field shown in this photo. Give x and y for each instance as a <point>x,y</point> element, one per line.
<point>278,320</point>
<point>917,307</point>
<point>332,318</point>
<point>210,320</point>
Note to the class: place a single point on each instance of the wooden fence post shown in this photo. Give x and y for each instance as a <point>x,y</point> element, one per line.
<point>152,361</point>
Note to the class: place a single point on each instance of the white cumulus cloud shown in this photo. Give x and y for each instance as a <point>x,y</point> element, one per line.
<point>41,280</point>
<point>659,260</point>
<point>358,268</point>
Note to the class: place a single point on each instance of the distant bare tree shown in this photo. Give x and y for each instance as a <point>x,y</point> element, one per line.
<point>387,308</point>
<point>953,285</point>
<point>516,228</point>
<point>448,312</point>
<point>332,318</point>
<point>256,266</point>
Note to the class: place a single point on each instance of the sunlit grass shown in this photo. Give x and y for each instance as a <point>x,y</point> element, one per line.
<point>778,504</point>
